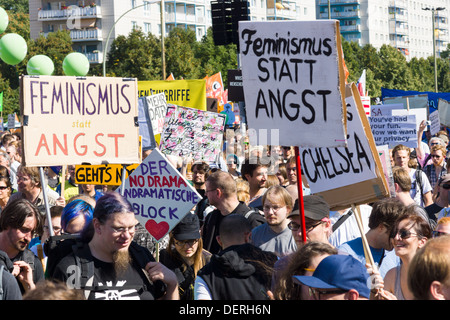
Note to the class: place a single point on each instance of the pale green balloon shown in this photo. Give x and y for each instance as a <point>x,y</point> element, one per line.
<point>40,65</point>
<point>13,48</point>
<point>76,64</point>
<point>3,20</point>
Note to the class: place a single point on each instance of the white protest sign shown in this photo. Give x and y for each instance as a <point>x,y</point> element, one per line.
<point>331,168</point>
<point>293,80</point>
<point>194,132</point>
<point>435,124</point>
<point>159,194</point>
<point>71,120</point>
<point>421,115</point>
<point>157,107</point>
<point>394,130</point>
<point>398,109</point>
<point>384,109</point>
<point>444,112</point>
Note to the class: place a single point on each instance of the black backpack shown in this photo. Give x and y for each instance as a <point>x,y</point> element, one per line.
<point>61,246</point>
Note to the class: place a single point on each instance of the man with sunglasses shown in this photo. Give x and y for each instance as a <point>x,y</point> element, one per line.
<point>423,150</point>
<point>437,168</point>
<point>317,220</point>
<point>381,222</point>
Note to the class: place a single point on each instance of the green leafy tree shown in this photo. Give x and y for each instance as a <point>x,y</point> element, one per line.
<point>137,55</point>
<point>15,5</point>
<point>180,54</point>
<point>214,59</point>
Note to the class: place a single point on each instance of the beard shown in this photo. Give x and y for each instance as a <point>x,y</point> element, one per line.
<point>121,260</point>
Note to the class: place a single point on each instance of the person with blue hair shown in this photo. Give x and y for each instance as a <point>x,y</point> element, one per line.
<point>76,215</point>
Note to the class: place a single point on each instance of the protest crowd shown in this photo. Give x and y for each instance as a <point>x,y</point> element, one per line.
<point>242,241</point>
<point>107,195</point>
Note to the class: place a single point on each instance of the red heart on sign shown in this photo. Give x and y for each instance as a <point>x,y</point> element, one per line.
<point>157,230</point>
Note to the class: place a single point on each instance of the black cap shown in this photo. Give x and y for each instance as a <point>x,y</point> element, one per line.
<point>188,228</point>
<point>316,208</point>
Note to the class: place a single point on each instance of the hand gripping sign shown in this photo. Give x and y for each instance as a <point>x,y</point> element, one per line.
<point>159,194</point>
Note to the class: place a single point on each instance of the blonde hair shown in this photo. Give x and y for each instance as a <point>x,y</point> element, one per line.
<point>430,263</point>
<point>278,194</point>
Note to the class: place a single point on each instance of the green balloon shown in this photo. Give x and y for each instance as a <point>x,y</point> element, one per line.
<point>40,65</point>
<point>3,20</point>
<point>76,64</point>
<point>13,48</point>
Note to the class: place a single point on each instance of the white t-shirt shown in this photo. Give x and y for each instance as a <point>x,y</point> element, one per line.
<point>201,290</point>
<point>426,187</point>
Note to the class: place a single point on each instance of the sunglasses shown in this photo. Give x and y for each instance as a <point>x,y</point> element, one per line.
<point>405,234</point>
<point>3,187</point>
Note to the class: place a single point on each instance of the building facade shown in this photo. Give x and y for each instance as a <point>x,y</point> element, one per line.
<point>404,24</point>
<point>91,21</point>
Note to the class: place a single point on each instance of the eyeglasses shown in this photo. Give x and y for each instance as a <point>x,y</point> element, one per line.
<point>435,156</point>
<point>3,187</point>
<point>274,208</point>
<point>438,234</point>
<point>182,243</point>
<point>122,230</point>
<point>316,293</point>
<point>308,227</point>
<point>405,234</point>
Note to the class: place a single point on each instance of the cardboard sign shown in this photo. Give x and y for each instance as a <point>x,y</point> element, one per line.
<point>365,100</point>
<point>293,79</point>
<point>145,127</point>
<point>110,174</point>
<point>398,109</point>
<point>69,120</point>
<point>383,152</point>
<point>192,132</point>
<point>384,109</point>
<point>409,102</point>
<point>330,168</point>
<point>435,124</point>
<point>364,191</point>
<point>159,194</point>
<point>187,93</point>
<point>394,130</point>
<point>444,112</point>
<point>157,107</point>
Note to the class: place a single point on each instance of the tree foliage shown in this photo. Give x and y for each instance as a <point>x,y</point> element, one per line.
<point>136,56</point>
<point>388,68</point>
<point>185,57</point>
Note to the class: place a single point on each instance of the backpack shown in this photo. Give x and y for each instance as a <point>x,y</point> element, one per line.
<point>1,282</point>
<point>419,183</point>
<point>85,263</point>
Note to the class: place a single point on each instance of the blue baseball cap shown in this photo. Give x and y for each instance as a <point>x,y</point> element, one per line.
<point>338,272</point>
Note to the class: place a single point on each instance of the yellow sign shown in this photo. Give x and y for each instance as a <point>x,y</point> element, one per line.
<point>186,93</point>
<point>103,174</point>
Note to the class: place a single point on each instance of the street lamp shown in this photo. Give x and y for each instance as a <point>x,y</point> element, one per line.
<point>433,15</point>
<point>162,34</point>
